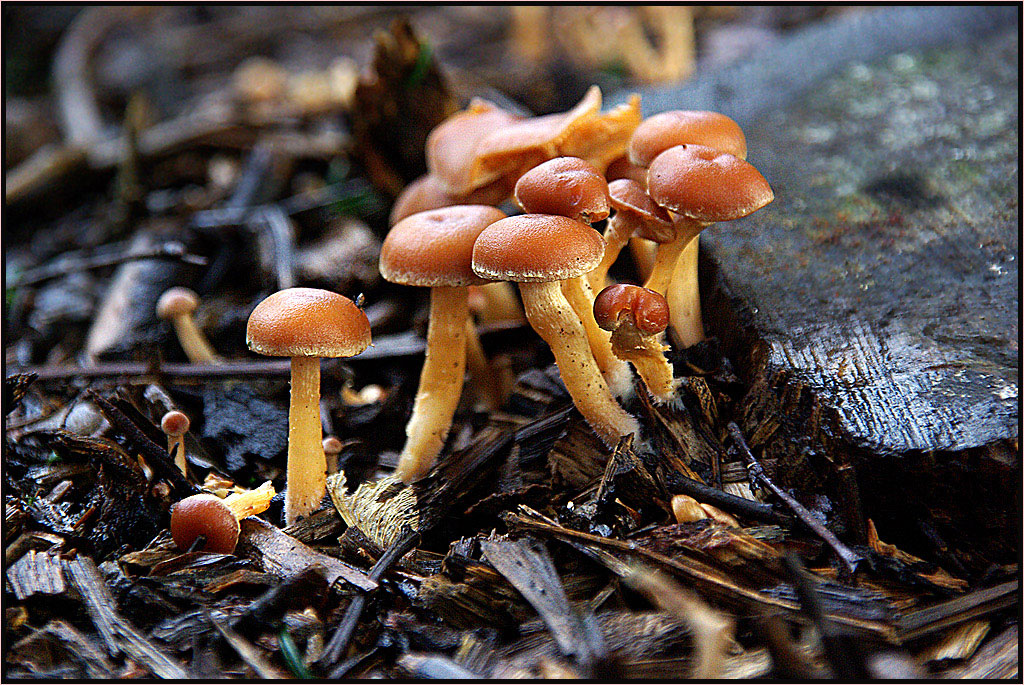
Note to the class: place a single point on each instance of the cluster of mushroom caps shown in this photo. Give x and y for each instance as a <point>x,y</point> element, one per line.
<point>665,179</point>
<point>662,180</point>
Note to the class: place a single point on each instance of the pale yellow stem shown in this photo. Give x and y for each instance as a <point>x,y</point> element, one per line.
<point>643,251</point>
<point>557,324</point>
<point>440,383</point>
<point>616,373</point>
<point>307,466</point>
<point>664,266</point>
<point>193,341</point>
<point>683,298</point>
<point>647,354</point>
<point>620,228</point>
<point>485,383</point>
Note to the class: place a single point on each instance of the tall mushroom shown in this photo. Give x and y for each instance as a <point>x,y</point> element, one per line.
<point>573,188</point>
<point>699,186</point>
<point>175,424</point>
<point>177,305</point>
<point>538,251</point>
<point>434,249</point>
<point>306,324</point>
<point>636,316</point>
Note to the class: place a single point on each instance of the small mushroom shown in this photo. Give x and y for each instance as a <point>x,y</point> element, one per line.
<point>428,192</point>
<point>637,317</point>
<point>216,519</point>
<point>175,424</point>
<point>332,448</point>
<point>684,127</point>
<point>434,249</point>
<point>306,324</point>
<point>538,251</point>
<point>177,306</point>
<point>635,215</point>
<point>698,185</point>
<point>687,510</point>
<point>573,188</point>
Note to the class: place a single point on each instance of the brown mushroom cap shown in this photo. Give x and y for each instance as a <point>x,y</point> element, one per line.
<point>435,248</point>
<point>174,423</point>
<point>623,168</point>
<point>536,248</point>
<point>452,146</point>
<point>332,445</point>
<point>681,127</point>
<point>307,322</point>
<point>566,186</point>
<point>428,192</point>
<point>205,515</point>
<point>646,309</point>
<point>628,196</point>
<point>176,301</point>
<point>706,185</point>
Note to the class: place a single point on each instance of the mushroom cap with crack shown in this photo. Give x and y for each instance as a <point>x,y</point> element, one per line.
<point>174,423</point>
<point>706,185</point>
<point>205,515</point>
<point>435,248</point>
<point>646,309</point>
<point>176,301</point>
<point>307,322</point>
<point>682,127</point>
<point>537,248</point>
<point>566,186</point>
<point>628,197</point>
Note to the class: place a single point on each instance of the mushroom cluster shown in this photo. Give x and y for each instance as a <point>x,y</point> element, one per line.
<point>660,181</point>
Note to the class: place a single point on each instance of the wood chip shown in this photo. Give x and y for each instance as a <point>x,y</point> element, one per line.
<point>36,573</point>
<point>284,555</point>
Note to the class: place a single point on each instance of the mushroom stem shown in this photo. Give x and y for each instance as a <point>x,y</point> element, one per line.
<point>192,340</point>
<point>647,354</point>
<point>307,466</point>
<point>664,265</point>
<point>643,251</point>
<point>621,227</point>
<point>557,324</point>
<point>499,303</point>
<point>485,382</point>
<point>684,298</point>
<point>440,383</point>
<point>616,372</point>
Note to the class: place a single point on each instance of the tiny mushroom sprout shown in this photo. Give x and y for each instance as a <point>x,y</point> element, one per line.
<point>635,215</point>
<point>216,520</point>
<point>175,424</point>
<point>177,305</point>
<point>636,317</point>
<point>573,188</point>
<point>434,249</point>
<point>699,185</point>
<point>538,251</point>
<point>306,324</point>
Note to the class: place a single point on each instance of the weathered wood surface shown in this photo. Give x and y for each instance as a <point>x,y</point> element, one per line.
<point>874,305</point>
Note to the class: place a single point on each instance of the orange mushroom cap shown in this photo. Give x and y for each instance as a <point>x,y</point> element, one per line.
<point>307,322</point>
<point>681,127</point>
<point>645,309</point>
<point>205,515</point>
<point>428,192</point>
<point>566,186</point>
<point>176,301</point>
<point>452,146</point>
<point>628,197</point>
<point>536,248</point>
<point>435,248</point>
<point>706,185</point>
<point>174,423</point>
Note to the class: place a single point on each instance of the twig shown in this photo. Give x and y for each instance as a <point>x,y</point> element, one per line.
<point>154,455</point>
<point>338,644</point>
<point>76,262</point>
<point>849,558</point>
<point>678,484</point>
<point>281,234</point>
<point>846,662</point>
